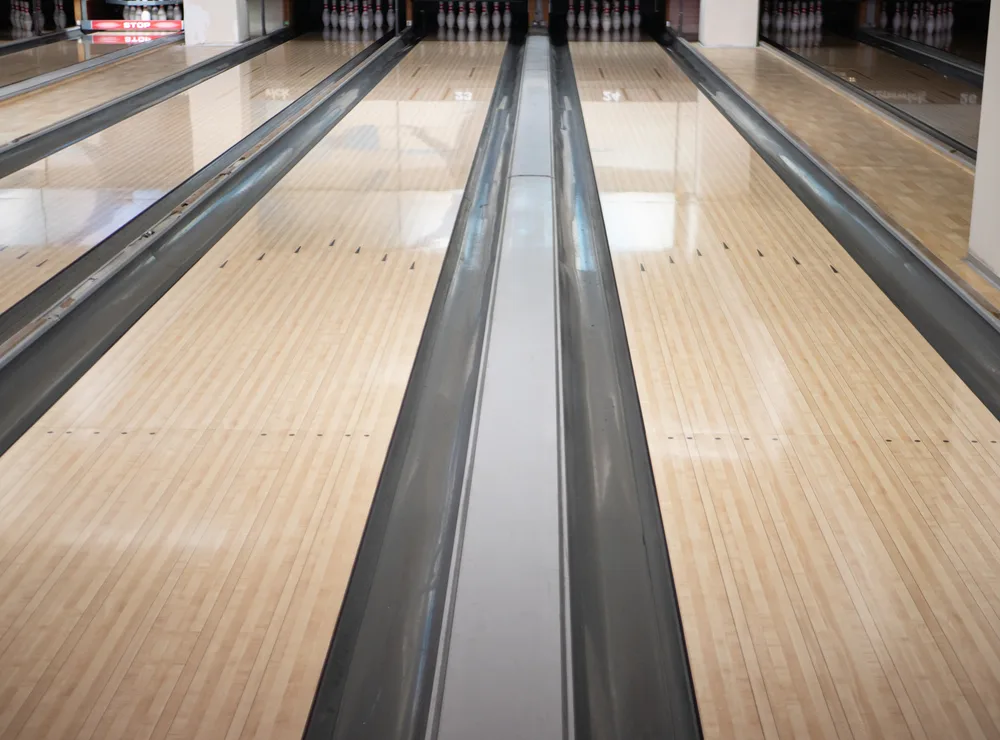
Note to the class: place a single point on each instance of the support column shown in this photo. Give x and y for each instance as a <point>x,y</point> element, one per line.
<point>984,236</point>
<point>729,22</point>
<point>216,21</point>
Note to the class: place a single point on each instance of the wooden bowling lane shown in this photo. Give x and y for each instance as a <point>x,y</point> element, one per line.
<point>62,206</point>
<point>50,57</point>
<point>950,105</point>
<point>920,189</point>
<point>177,532</point>
<point>829,487</point>
<point>25,114</point>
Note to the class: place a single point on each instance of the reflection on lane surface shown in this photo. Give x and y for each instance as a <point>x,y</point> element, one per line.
<point>184,534</point>
<point>95,182</point>
<point>827,483</point>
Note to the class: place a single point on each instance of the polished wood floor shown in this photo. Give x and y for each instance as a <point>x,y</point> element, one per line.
<point>48,58</point>
<point>25,114</point>
<point>176,533</point>
<point>62,206</point>
<point>946,103</point>
<point>830,489</point>
<point>921,190</point>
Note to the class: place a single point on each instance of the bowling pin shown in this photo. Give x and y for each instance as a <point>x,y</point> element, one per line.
<point>449,19</point>
<point>627,17</point>
<point>472,22</point>
<point>460,20</point>
<point>819,14</point>
<point>380,17</point>
<point>326,14</point>
<point>616,17</point>
<point>366,16</point>
<point>570,16</point>
<point>605,17</point>
<point>506,16</point>
<point>765,19</point>
<point>595,20</point>
<point>883,21</point>
<point>440,15</point>
<point>390,16</point>
<point>636,16</point>
<point>496,17</point>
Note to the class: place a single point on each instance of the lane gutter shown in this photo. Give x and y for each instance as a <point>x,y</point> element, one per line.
<point>926,56</point>
<point>935,137</point>
<point>47,303</point>
<point>963,329</point>
<point>38,145</point>
<point>60,75</point>
<point>631,675</point>
<point>109,302</point>
<point>378,678</point>
<point>67,34</point>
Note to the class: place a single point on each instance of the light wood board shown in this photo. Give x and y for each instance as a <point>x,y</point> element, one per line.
<point>25,114</point>
<point>830,490</point>
<point>176,533</point>
<point>60,207</point>
<point>923,191</point>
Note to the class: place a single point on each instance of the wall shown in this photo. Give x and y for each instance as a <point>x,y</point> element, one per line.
<point>984,238</point>
<point>216,21</point>
<point>729,22</point>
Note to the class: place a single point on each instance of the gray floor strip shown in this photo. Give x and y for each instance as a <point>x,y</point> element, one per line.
<point>40,373</point>
<point>377,681</point>
<point>630,672</point>
<point>34,147</point>
<point>13,47</point>
<point>59,75</point>
<point>959,327</point>
<point>503,674</point>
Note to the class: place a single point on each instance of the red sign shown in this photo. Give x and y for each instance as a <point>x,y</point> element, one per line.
<point>137,25</point>
<point>120,38</point>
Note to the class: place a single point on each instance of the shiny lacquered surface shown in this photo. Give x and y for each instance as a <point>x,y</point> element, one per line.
<point>827,483</point>
<point>23,115</point>
<point>61,206</point>
<point>181,525</point>
<point>949,105</point>
<point>920,189</point>
<point>51,57</point>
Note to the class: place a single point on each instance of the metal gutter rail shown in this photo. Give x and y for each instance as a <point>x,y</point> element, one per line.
<point>936,59</point>
<point>631,677</point>
<point>36,146</point>
<point>962,331</point>
<point>377,681</point>
<point>110,301</point>
<point>936,136</point>
<point>36,308</point>
<point>58,75</point>
<point>67,34</point>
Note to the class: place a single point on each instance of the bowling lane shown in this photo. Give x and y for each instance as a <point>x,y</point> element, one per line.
<point>920,189</point>
<point>25,114</point>
<point>50,57</point>
<point>60,207</point>
<point>177,532</point>
<point>947,104</point>
<point>828,485</point>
